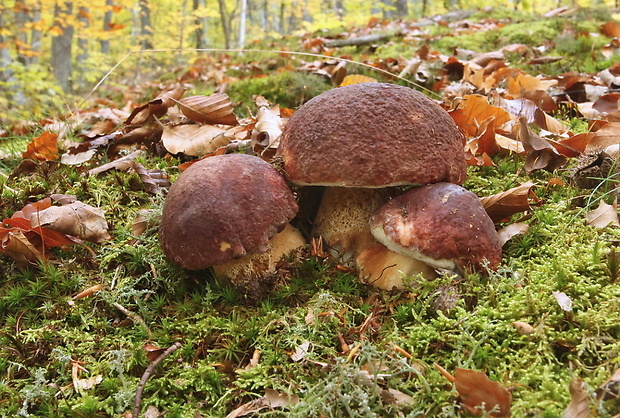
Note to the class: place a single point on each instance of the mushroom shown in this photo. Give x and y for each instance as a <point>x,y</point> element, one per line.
<point>229,207</point>
<point>443,225</point>
<point>369,136</point>
<point>372,135</point>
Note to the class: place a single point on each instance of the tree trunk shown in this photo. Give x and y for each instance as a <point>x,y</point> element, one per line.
<point>402,8</point>
<point>225,23</point>
<point>242,18</point>
<point>201,25</point>
<point>182,31</point>
<point>82,44</point>
<point>61,45</point>
<point>107,26</point>
<point>21,36</point>
<point>35,41</point>
<point>146,30</point>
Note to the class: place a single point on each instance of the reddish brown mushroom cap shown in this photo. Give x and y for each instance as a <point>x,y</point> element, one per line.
<point>442,224</point>
<point>222,208</point>
<point>372,135</point>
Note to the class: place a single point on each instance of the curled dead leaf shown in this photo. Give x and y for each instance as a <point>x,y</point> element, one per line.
<point>76,219</point>
<point>272,399</point>
<point>480,395</point>
<point>213,109</point>
<point>505,204</point>
<point>194,140</point>
<point>579,406</point>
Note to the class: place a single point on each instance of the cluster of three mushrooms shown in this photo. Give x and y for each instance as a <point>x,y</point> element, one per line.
<point>363,140</point>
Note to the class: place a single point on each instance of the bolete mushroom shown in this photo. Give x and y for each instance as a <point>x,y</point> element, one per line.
<point>442,224</point>
<point>229,207</point>
<point>372,135</point>
<point>369,135</point>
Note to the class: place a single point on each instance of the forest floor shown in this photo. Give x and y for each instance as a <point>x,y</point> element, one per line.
<point>102,324</point>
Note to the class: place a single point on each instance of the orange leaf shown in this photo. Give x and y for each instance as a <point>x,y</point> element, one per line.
<point>43,148</point>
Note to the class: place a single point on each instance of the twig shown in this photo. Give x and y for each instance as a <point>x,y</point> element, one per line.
<point>147,373</point>
<point>134,317</point>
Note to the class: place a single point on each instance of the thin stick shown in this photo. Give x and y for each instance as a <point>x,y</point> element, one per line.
<point>147,373</point>
<point>134,317</point>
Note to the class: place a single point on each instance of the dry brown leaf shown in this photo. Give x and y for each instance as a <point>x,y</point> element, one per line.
<point>121,164</point>
<point>213,109</point>
<point>512,230</point>
<point>153,351</point>
<point>521,84</point>
<point>579,402</point>
<point>267,129</point>
<point>611,29</point>
<point>194,140</point>
<point>604,215</point>
<point>271,400</point>
<point>156,108</point>
<point>610,389</point>
<point>608,134</point>
<point>19,248</point>
<point>77,219</point>
<point>505,204</point>
<point>43,148</point>
<point>144,220</point>
<point>391,396</point>
<point>540,153</point>
<point>88,292</point>
<point>479,394</point>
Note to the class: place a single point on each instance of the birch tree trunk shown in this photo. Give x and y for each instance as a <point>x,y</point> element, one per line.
<point>61,45</point>
<point>242,18</point>
<point>82,44</point>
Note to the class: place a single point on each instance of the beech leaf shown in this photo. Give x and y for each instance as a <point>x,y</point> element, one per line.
<point>213,109</point>
<point>479,394</point>
<point>43,148</point>
<point>505,204</point>
<point>604,215</point>
<point>272,399</point>
<point>77,219</point>
<point>512,230</point>
<point>579,402</point>
<point>194,140</point>
<point>540,153</point>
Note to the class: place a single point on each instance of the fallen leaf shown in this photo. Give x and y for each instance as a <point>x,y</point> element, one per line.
<point>152,351</point>
<point>610,389</point>
<point>121,164</point>
<point>213,109</point>
<point>19,248</point>
<point>271,400</point>
<point>301,351</point>
<point>43,148</point>
<point>267,129</point>
<point>88,292</point>
<point>356,79</point>
<point>563,300</point>
<point>391,396</point>
<point>77,219</point>
<point>579,401</point>
<point>540,153</point>
<point>604,215</point>
<point>473,114</point>
<point>194,140</point>
<point>505,204</point>
<point>512,230</point>
<point>480,395</point>
<point>156,108</point>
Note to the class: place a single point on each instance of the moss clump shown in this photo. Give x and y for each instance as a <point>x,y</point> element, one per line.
<point>288,89</point>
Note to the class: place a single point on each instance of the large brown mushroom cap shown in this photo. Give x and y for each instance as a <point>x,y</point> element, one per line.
<point>442,224</point>
<point>222,208</point>
<point>372,135</point>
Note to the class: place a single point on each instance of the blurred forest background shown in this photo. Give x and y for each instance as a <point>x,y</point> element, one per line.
<point>50,49</point>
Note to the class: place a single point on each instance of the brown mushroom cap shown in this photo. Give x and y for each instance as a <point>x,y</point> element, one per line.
<point>372,135</point>
<point>222,208</point>
<point>442,224</point>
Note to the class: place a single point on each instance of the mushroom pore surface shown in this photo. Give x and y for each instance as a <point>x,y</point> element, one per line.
<point>372,135</point>
<point>222,208</point>
<point>442,224</point>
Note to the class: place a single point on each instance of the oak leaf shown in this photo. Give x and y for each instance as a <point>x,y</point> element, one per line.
<point>480,395</point>
<point>604,215</point>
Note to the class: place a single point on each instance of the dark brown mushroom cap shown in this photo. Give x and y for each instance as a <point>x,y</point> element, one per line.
<point>441,224</point>
<point>222,208</point>
<point>372,135</point>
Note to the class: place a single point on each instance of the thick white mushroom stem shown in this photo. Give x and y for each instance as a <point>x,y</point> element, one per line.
<point>385,269</point>
<point>255,266</point>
